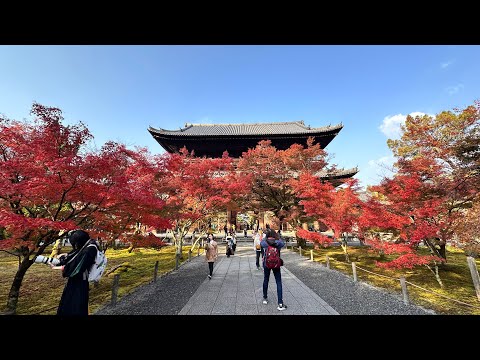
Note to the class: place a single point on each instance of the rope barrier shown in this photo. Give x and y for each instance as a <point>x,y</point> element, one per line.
<point>408,282</point>
<point>446,297</point>
<point>54,307</point>
<point>371,272</point>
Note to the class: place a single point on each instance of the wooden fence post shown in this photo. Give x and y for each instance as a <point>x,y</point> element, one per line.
<point>116,280</point>
<point>475,277</point>
<point>328,261</point>
<point>404,290</point>
<point>155,271</point>
<point>311,255</point>
<point>189,254</point>
<point>354,269</point>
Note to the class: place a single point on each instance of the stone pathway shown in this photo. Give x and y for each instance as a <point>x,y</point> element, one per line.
<point>236,289</point>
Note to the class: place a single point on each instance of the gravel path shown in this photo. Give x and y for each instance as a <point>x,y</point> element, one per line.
<point>343,294</point>
<point>172,291</point>
<point>167,296</point>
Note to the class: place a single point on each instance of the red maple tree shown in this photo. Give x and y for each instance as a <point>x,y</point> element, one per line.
<point>276,176</point>
<point>195,189</point>
<point>436,183</point>
<point>50,183</point>
<point>338,208</point>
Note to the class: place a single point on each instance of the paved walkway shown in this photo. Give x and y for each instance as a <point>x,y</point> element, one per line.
<point>236,288</point>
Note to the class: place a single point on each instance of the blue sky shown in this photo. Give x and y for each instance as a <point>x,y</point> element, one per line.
<point>118,91</point>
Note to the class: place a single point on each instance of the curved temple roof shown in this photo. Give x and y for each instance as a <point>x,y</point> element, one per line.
<point>336,176</point>
<point>279,128</point>
<point>212,140</point>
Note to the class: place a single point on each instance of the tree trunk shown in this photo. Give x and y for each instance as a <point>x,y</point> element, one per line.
<point>301,242</point>
<point>437,276</point>
<point>343,244</point>
<point>17,283</point>
<point>179,248</point>
<point>442,251</point>
<point>436,273</point>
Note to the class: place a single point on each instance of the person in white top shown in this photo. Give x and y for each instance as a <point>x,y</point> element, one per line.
<point>257,238</point>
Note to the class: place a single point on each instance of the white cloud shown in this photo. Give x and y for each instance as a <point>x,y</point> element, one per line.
<point>384,160</point>
<point>446,64</point>
<point>378,169</point>
<point>391,124</point>
<point>454,89</point>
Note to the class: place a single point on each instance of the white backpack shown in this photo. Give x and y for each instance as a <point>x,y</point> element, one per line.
<point>98,267</point>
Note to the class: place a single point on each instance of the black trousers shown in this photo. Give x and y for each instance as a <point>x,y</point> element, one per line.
<point>210,267</point>
<point>258,253</point>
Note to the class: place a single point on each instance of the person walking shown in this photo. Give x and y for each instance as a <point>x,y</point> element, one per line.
<point>229,246</point>
<point>211,253</point>
<point>271,245</point>
<point>257,238</point>
<point>234,243</point>
<point>74,265</point>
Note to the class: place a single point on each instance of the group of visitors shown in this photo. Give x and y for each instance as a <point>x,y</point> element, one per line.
<point>74,299</point>
<point>266,244</point>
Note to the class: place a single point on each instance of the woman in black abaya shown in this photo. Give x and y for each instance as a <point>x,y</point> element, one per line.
<point>74,299</point>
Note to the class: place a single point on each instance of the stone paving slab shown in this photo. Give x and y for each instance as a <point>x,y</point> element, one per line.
<point>236,289</point>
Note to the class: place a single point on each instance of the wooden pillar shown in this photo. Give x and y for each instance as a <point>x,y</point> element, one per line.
<point>304,226</point>
<point>474,272</point>
<point>403,284</point>
<point>233,219</point>
<point>316,225</point>
<point>261,219</point>
<point>155,271</point>
<point>116,280</point>
<point>229,215</point>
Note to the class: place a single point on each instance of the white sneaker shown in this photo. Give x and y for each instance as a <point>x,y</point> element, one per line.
<point>281,307</point>
<point>265,302</point>
<point>209,277</point>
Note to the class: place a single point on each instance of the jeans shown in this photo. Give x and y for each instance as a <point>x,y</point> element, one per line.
<point>278,280</point>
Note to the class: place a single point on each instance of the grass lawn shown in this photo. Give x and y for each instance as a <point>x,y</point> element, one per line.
<point>455,276</point>
<point>42,287</point>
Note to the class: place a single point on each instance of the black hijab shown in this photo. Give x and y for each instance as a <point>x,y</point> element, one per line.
<point>78,238</point>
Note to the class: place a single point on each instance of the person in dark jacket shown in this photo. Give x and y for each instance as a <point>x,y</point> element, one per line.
<point>74,299</point>
<point>272,239</point>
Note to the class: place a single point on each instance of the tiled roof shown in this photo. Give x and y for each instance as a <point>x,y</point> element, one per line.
<point>280,128</point>
<point>338,173</point>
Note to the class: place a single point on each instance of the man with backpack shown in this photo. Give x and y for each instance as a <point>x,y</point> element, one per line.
<point>271,246</point>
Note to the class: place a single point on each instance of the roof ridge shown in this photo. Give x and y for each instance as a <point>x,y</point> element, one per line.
<point>300,122</point>
<point>286,127</point>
